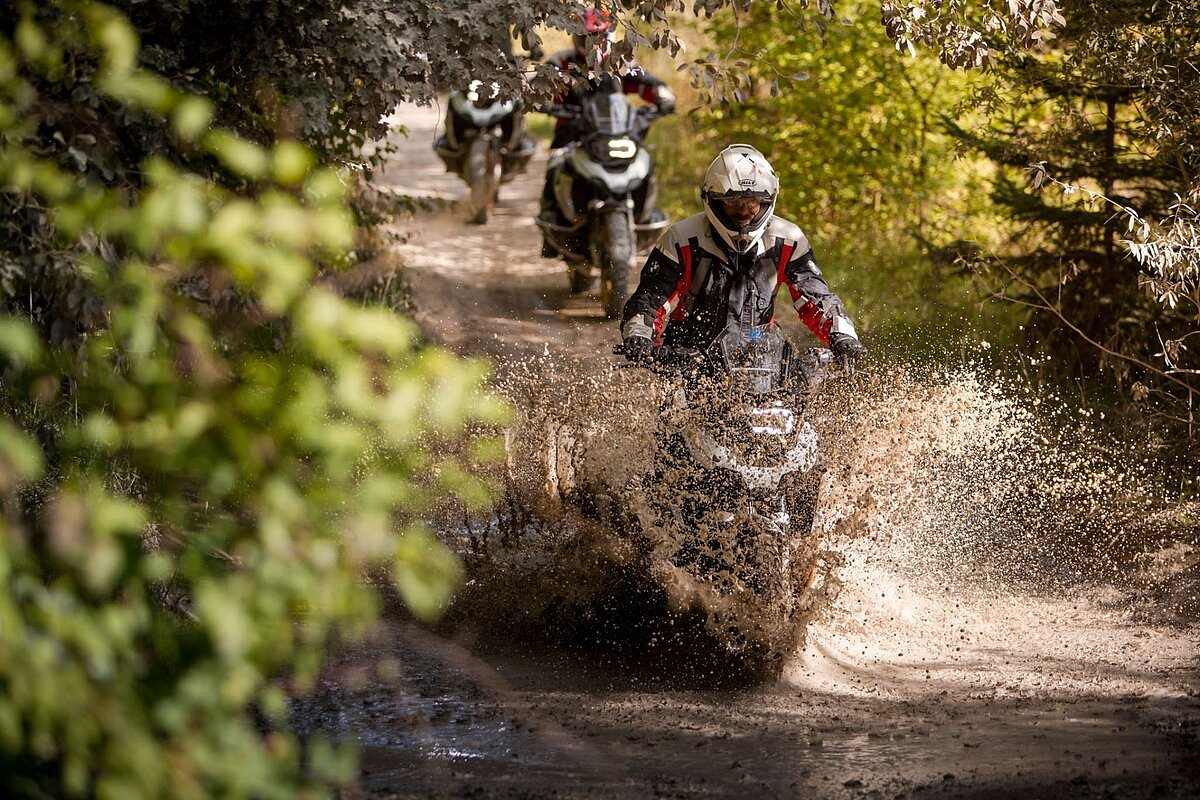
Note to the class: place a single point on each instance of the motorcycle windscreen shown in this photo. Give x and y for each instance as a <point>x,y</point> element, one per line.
<point>754,357</point>
<point>609,114</point>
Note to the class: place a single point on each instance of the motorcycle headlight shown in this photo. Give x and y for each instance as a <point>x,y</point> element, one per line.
<point>606,149</point>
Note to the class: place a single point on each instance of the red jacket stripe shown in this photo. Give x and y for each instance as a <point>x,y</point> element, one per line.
<point>785,255</point>
<point>669,308</point>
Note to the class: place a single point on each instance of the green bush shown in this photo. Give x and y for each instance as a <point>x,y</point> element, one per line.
<point>192,488</point>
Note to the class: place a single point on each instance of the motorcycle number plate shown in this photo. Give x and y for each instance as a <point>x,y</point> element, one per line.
<point>622,148</point>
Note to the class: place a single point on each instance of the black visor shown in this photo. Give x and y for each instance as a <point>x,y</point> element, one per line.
<point>718,209</point>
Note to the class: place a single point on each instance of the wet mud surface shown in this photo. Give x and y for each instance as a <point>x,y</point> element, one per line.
<point>943,669</point>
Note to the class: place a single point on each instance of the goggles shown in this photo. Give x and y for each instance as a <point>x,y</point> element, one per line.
<point>741,206</point>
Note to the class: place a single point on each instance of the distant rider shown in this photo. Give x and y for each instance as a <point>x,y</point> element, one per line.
<point>723,267</point>
<point>595,38</point>
<point>516,145</point>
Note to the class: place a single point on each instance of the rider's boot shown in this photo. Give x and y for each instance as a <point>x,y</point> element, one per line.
<point>451,158</point>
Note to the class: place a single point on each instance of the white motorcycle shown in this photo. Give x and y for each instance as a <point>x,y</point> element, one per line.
<point>485,144</point>
<point>726,519</point>
<point>605,192</point>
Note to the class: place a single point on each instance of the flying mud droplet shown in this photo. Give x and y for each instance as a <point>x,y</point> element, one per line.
<point>953,476</point>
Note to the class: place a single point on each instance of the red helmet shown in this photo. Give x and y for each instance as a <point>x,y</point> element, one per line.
<point>597,20</point>
<point>598,32</point>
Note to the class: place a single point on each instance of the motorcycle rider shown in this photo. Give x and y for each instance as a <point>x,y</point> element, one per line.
<point>516,145</point>
<point>594,39</point>
<point>723,267</point>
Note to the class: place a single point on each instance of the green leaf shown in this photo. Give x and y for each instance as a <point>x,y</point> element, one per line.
<point>18,341</point>
<point>30,40</point>
<point>291,162</point>
<point>139,89</point>
<point>20,457</point>
<point>225,620</point>
<point>114,516</point>
<point>325,186</point>
<point>100,430</point>
<point>116,39</point>
<point>243,158</point>
<point>426,573</point>
<point>192,117</point>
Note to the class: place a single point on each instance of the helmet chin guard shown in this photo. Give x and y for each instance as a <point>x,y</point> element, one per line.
<point>739,171</point>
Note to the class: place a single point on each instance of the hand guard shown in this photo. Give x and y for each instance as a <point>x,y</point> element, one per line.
<point>665,101</point>
<point>638,349</point>
<point>846,350</point>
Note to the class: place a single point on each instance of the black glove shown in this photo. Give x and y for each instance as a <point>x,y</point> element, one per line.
<point>639,349</point>
<point>846,350</point>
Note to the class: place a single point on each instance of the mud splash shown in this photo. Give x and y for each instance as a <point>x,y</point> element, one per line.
<point>952,482</point>
<point>979,480</point>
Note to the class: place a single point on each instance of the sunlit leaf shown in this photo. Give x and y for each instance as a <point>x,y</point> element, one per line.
<point>140,89</point>
<point>425,573</point>
<point>117,40</point>
<point>238,155</point>
<point>20,457</point>
<point>291,162</point>
<point>192,116</point>
<point>18,341</point>
<point>30,39</point>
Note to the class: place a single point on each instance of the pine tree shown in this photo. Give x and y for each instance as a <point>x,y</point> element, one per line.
<point>1091,124</point>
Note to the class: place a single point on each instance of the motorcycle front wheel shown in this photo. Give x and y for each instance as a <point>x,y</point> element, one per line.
<point>483,175</point>
<point>616,262</point>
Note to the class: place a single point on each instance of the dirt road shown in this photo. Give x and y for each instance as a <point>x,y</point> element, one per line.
<point>925,679</point>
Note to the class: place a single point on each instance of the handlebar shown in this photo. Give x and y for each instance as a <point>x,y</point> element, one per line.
<point>816,363</point>
<point>650,112</point>
<point>664,358</point>
<point>562,112</point>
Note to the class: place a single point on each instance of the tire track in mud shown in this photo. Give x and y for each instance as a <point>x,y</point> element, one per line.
<point>929,677</point>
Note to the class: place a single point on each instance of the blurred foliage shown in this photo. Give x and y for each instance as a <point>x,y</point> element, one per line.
<point>192,487</point>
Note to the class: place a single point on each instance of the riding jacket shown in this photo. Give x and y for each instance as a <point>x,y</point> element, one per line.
<point>693,287</point>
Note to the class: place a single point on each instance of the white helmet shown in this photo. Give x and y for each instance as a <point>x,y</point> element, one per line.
<point>739,171</point>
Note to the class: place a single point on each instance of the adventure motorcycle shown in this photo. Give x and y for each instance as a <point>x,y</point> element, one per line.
<point>485,144</point>
<point>726,518</point>
<point>605,219</point>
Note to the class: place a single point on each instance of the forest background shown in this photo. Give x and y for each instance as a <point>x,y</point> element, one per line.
<point>188,405</point>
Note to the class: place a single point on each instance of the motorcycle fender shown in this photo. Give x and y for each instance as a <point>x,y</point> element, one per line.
<point>480,117</point>
<point>598,210</point>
